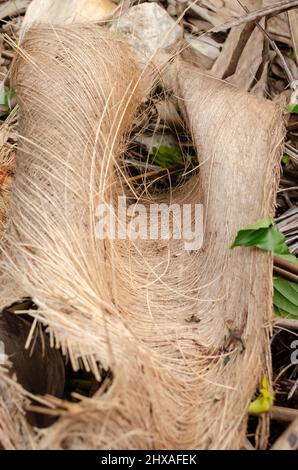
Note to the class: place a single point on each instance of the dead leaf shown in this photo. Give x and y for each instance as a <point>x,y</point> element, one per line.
<point>260,88</point>
<point>293,20</point>
<point>57,12</point>
<point>279,29</point>
<point>249,61</point>
<point>256,15</point>
<point>226,63</point>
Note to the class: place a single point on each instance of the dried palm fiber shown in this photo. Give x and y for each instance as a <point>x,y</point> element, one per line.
<point>15,432</point>
<point>7,166</point>
<point>183,332</point>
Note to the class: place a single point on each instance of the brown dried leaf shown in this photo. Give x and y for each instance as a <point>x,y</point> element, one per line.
<point>279,29</point>
<point>226,63</point>
<point>293,20</point>
<point>249,61</point>
<point>256,15</point>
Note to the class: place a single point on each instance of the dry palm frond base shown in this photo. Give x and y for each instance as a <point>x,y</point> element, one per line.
<point>183,333</point>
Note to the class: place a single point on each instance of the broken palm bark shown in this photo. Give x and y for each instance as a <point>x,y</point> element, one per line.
<point>183,332</point>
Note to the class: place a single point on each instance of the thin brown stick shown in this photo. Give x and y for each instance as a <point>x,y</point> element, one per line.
<point>287,189</point>
<point>291,151</point>
<point>257,15</point>
<point>147,175</point>
<point>286,274</point>
<point>152,173</point>
<point>281,413</point>
<point>248,445</point>
<point>287,323</point>
<point>285,264</point>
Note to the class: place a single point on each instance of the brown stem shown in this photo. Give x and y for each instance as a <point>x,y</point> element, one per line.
<point>286,274</point>
<point>286,323</point>
<point>281,413</point>
<point>285,264</point>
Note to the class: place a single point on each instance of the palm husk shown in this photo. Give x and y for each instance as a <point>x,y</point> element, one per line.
<point>184,333</point>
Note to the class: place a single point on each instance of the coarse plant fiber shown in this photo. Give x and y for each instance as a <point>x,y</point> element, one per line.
<point>185,333</point>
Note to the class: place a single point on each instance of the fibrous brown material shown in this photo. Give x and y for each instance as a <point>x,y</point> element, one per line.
<point>183,332</point>
<point>7,165</point>
<point>15,433</point>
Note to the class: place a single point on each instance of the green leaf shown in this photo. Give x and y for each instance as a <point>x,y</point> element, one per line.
<point>9,92</point>
<point>285,298</point>
<point>266,236</point>
<point>166,157</point>
<point>292,108</point>
<point>282,313</point>
<point>285,159</point>
<point>264,401</point>
<point>289,257</point>
<point>278,312</point>
<point>287,288</point>
<point>83,384</point>
<point>262,223</point>
<point>263,235</point>
<point>5,96</point>
<point>292,54</point>
<point>285,305</point>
